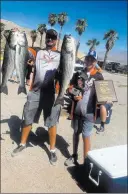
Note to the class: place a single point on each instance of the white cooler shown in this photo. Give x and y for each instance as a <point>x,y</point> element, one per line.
<point>106,169</point>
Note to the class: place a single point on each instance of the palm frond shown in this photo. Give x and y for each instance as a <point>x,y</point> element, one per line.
<point>52,19</point>
<point>80,26</point>
<point>62,18</point>
<point>42,28</point>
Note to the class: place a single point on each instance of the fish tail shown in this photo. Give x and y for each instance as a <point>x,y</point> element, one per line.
<point>22,89</point>
<point>59,100</point>
<point>4,89</point>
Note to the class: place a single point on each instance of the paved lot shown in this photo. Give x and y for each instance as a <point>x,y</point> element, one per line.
<point>31,172</point>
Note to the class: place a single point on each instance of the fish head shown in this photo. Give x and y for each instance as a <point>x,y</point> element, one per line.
<point>22,39</point>
<point>68,43</point>
<point>13,39</point>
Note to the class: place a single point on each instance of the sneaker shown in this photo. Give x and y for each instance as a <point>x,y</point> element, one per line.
<point>101,129</point>
<point>18,150</point>
<point>53,158</point>
<point>72,160</point>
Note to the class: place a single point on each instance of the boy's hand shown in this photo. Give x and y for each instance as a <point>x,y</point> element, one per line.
<point>77,98</point>
<point>30,62</point>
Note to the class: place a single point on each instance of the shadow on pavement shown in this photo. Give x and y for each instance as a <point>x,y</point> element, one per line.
<point>14,123</point>
<point>61,144</point>
<point>38,138</point>
<point>80,175</point>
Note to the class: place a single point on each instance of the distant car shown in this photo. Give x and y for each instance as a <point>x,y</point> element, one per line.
<point>123,69</point>
<point>113,67</point>
<point>78,67</point>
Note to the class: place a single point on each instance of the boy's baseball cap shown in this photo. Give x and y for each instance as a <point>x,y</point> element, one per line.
<point>93,53</point>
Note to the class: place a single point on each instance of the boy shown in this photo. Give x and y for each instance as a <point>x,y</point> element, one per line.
<point>84,109</point>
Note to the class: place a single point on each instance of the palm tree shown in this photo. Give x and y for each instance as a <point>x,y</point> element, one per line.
<point>81,24</point>
<point>33,34</point>
<point>41,29</point>
<point>6,33</point>
<point>62,19</point>
<point>52,19</point>
<point>111,36</point>
<point>2,26</point>
<point>93,43</point>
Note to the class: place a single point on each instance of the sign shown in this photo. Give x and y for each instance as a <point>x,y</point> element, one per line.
<point>105,91</point>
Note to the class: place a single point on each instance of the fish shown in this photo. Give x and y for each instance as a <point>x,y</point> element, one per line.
<point>66,67</point>
<point>15,57</point>
<point>21,58</point>
<point>8,61</point>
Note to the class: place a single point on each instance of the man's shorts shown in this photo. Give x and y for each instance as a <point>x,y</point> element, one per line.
<point>83,125</point>
<point>37,102</point>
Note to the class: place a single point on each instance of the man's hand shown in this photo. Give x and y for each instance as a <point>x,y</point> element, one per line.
<point>77,98</point>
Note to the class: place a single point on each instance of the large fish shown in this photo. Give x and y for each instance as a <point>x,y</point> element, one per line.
<point>67,63</point>
<point>8,60</point>
<point>21,57</point>
<point>15,57</point>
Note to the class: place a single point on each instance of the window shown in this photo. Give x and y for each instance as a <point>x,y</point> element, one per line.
<point>78,68</point>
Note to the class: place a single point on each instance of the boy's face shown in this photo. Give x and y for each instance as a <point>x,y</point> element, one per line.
<point>90,64</point>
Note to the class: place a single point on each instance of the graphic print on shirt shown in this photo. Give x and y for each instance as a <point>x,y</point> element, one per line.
<point>46,67</point>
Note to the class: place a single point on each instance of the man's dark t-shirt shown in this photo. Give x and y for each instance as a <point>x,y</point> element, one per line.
<point>87,104</point>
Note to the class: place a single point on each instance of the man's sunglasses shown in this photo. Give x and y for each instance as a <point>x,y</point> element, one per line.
<point>53,37</point>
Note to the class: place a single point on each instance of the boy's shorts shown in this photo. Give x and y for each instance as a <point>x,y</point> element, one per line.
<point>34,106</point>
<point>83,125</point>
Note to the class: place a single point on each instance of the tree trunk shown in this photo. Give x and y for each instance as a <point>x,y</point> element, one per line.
<point>77,47</point>
<point>41,40</point>
<point>59,38</point>
<point>105,58</point>
<point>32,44</point>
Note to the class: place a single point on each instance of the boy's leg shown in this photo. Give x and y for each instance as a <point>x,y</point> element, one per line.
<point>86,133</point>
<point>75,143</point>
<point>86,145</point>
<point>74,157</point>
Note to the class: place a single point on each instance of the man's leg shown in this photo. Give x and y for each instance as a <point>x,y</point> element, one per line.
<point>103,116</point>
<point>51,122</point>
<point>29,112</point>
<point>52,137</point>
<point>25,133</point>
<point>24,136</point>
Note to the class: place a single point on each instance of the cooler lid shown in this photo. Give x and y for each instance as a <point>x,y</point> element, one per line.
<point>112,160</point>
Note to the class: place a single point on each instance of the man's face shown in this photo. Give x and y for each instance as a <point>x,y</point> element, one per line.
<point>51,41</point>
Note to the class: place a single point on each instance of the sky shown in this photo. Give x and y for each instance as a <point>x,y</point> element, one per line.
<point>101,16</point>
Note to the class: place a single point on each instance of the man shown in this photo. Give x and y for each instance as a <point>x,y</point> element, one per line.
<point>103,113</point>
<point>83,117</point>
<point>42,95</point>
